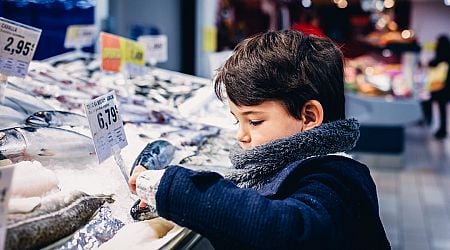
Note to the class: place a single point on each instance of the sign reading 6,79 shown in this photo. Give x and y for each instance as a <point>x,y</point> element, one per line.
<point>106,125</point>
<point>108,117</point>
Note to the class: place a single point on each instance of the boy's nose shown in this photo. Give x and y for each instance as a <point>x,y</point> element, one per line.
<point>242,136</point>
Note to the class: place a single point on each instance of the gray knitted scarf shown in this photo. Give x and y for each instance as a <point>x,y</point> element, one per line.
<point>256,166</point>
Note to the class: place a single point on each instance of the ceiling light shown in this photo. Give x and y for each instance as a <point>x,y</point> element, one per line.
<point>342,4</point>
<point>306,3</point>
<point>389,4</point>
<point>406,34</point>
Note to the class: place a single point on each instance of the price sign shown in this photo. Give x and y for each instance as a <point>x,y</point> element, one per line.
<point>18,43</point>
<point>106,125</point>
<point>121,54</point>
<point>209,39</point>
<point>79,36</point>
<point>155,47</point>
<point>132,57</point>
<point>6,174</point>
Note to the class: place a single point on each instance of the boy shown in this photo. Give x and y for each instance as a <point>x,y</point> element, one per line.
<point>290,189</point>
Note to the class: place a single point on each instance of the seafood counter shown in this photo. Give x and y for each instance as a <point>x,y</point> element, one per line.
<point>61,197</point>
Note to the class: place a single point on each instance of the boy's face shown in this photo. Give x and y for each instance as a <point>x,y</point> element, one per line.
<point>260,124</point>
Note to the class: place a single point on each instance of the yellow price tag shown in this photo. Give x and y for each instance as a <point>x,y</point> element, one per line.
<point>209,39</point>
<point>122,54</point>
<point>132,52</point>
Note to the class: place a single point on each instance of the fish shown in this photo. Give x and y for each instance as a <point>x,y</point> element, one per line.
<point>139,213</point>
<point>24,103</point>
<point>45,145</point>
<point>10,118</point>
<point>53,118</point>
<point>58,216</point>
<point>156,155</point>
<point>190,137</point>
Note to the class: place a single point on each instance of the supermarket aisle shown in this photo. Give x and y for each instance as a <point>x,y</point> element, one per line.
<point>415,201</point>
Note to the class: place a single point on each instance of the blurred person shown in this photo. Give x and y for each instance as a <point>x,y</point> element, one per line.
<point>441,96</point>
<point>309,25</point>
<point>239,19</point>
<point>291,187</point>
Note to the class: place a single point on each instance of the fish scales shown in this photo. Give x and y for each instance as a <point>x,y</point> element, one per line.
<point>54,220</point>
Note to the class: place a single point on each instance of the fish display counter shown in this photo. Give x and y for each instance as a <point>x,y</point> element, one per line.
<point>61,197</point>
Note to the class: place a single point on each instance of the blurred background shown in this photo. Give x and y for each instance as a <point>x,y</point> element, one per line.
<point>388,46</point>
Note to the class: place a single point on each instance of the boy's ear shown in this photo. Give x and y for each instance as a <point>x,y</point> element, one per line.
<point>312,114</point>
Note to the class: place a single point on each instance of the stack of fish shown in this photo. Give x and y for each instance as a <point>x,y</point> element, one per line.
<point>57,216</point>
<point>41,120</point>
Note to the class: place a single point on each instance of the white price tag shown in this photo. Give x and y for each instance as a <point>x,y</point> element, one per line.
<point>106,125</point>
<point>155,47</point>
<point>6,174</point>
<point>18,43</point>
<point>79,36</point>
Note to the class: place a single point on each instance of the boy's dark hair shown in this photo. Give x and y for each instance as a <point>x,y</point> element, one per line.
<point>286,66</point>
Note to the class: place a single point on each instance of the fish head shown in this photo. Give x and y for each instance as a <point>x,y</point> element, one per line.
<point>156,155</point>
<point>12,142</point>
<point>39,119</point>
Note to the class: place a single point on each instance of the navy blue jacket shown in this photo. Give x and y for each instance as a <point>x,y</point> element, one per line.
<point>327,202</point>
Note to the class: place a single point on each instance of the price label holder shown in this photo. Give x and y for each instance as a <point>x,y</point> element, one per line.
<point>155,48</point>
<point>18,43</point>
<point>133,63</point>
<point>107,129</point>
<point>6,174</point>
<point>120,54</point>
<point>79,36</point>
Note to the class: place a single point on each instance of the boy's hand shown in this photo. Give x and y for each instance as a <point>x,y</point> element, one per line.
<point>132,181</point>
<point>145,184</point>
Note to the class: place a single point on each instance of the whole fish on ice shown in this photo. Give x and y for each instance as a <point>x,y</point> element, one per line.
<point>190,137</point>
<point>10,118</point>
<point>24,103</point>
<point>45,145</point>
<point>58,216</point>
<point>156,155</point>
<point>53,118</point>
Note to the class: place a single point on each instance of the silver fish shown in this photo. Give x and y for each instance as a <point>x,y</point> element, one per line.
<point>10,118</point>
<point>45,145</point>
<point>189,137</point>
<point>24,103</point>
<point>57,217</point>
<point>156,155</point>
<point>53,118</point>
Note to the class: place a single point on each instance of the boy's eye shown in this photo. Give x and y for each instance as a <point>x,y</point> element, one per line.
<point>255,123</point>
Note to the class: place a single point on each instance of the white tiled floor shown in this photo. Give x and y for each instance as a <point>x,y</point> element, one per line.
<point>415,200</point>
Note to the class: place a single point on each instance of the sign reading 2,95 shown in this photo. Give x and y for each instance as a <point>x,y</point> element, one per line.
<point>18,43</point>
<point>106,125</point>
<point>18,46</point>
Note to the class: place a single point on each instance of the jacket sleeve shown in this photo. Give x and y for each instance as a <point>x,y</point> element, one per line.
<point>224,213</point>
